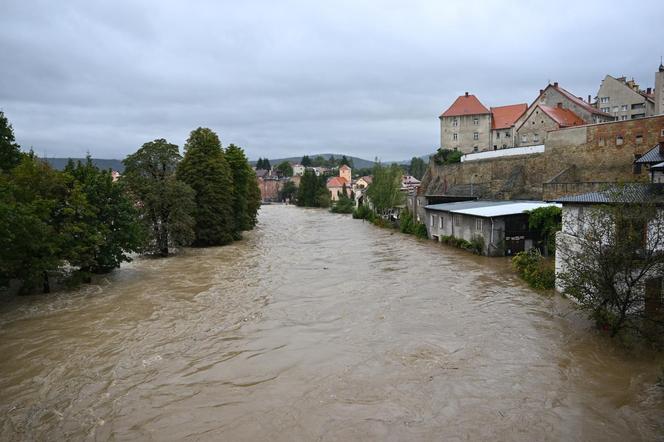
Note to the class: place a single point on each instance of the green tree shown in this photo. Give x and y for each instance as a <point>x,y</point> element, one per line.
<point>111,221</point>
<point>385,190</point>
<point>609,257</point>
<point>288,192</point>
<point>243,177</point>
<point>285,168</point>
<point>10,152</point>
<point>546,221</point>
<point>205,169</point>
<point>31,198</point>
<point>306,161</point>
<point>417,167</point>
<point>313,191</point>
<point>345,161</point>
<point>165,203</point>
<point>253,199</point>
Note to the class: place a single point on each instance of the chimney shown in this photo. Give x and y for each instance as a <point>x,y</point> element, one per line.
<point>555,84</point>
<point>541,91</point>
<point>466,94</point>
<point>649,91</point>
<point>559,105</point>
<point>589,100</point>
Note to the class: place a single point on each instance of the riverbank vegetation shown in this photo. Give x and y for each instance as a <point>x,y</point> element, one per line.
<point>77,222</point>
<point>615,267</point>
<point>535,269</point>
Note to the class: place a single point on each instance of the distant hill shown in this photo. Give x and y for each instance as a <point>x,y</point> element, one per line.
<point>359,163</point>
<point>60,163</point>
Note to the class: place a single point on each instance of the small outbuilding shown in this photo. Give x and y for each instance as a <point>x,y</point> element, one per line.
<point>502,226</point>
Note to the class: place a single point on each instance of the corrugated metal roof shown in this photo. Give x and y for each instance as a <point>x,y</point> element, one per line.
<point>627,193</point>
<point>652,156</point>
<point>448,207</point>
<point>505,209</point>
<point>489,209</point>
<point>657,166</point>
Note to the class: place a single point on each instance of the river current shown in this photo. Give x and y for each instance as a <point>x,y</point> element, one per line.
<point>317,327</point>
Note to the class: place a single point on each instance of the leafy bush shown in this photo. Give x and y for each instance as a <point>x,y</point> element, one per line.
<point>363,212</point>
<point>538,272</point>
<point>343,205</point>
<point>420,230</point>
<point>477,244</point>
<point>406,222</point>
<point>447,156</point>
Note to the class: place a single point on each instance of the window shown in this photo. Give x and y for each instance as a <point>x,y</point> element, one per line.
<point>440,222</point>
<point>619,140</point>
<point>535,138</point>
<point>457,220</point>
<point>615,108</point>
<point>476,121</point>
<point>638,116</point>
<point>495,147</point>
<point>604,100</point>
<point>606,110</point>
<point>476,135</point>
<point>475,149</point>
<point>623,117</point>
<point>507,134</point>
<point>601,141</point>
<point>455,136</point>
<point>504,146</point>
<point>639,139</point>
<point>432,221</point>
<point>638,106</point>
<point>497,135</point>
<point>478,224</point>
<point>455,122</point>
<point>623,107</point>
<point>524,138</point>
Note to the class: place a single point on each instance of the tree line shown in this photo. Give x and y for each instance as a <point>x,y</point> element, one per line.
<point>77,222</point>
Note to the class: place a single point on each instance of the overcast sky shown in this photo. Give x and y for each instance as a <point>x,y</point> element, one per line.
<point>283,78</point>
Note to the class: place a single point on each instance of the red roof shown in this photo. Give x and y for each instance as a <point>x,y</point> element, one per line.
<point>579,101</point>
<point>503,117</point>
<point>564,117</point>
<point>337,181</point>
<point>465,105</point>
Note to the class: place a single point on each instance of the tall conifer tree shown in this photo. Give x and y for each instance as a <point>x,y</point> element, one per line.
<point>205,169</point>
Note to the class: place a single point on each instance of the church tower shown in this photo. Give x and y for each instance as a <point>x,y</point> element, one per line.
<point>659,90</point>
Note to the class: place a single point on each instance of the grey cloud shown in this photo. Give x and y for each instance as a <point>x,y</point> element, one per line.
<point>366,78</point>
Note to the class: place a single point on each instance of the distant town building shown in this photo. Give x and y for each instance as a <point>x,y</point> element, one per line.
<point>624,99</point>
<point>409,182</point>
<point>298,169</point>
<point>337,184</point>
<point>659,90</point>
<point>115,175</point>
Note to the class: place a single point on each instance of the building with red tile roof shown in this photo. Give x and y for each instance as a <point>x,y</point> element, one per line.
<point>503,119</point>
<point>534,129</point>
<point>465,125</point>
<point>337,184</point>
<point>465,105</point>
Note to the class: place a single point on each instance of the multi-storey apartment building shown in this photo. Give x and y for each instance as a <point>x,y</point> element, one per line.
<point>624,99</point>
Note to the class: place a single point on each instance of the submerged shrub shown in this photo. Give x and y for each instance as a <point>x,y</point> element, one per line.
<point>537,271</point>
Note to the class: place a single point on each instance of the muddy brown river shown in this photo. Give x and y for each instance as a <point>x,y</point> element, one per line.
<point>317,327</point>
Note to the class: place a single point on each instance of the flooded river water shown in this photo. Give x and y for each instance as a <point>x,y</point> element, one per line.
<point>317,327</point>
